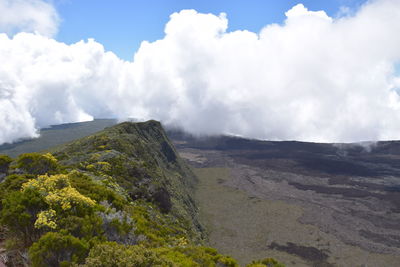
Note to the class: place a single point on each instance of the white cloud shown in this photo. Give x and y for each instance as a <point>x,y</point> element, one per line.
<point>313,78</point>
<point>299,11</point>
<point>28,16</point>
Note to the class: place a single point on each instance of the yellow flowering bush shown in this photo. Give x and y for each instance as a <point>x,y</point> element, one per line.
<point>104,166</point>
<point>57,192</point>
<point>46,218</point>
<point>90,167</point>
<point>181,242</point>
<point>100,167</point>
<point>47,184</point>
<point>50,157</point>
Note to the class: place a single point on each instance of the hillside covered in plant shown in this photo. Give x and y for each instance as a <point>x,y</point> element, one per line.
<point>121,197</point>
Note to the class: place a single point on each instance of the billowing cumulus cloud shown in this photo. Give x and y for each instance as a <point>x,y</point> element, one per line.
<point>29,16</point>
<point>312,78</point>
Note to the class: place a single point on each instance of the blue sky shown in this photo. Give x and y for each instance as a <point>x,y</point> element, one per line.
<point>121,25</point>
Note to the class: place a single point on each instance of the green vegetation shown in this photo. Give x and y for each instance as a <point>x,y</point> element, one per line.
<point>121,197</point>
<point>268,262</point>
<point>57,249</point>
<point>35,163</point>
<point>4,163</point>
<point>113,254</point>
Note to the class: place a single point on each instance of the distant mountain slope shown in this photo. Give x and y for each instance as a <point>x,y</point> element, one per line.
<point>56,135</point>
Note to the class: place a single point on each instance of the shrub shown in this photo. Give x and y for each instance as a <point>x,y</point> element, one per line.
<point>86,186</point>
<point>4,163</point>
<point>55,249</point>
<point>87,227</point>
<point>158,229</point>
<point>57,192</point>
<point>113,254</point>
<point>163,200</point>
<point>267,262</point>
<point>18,214</point>
<point>36,163</point>
<point>11,183</point>
<point>118,226</point>
<point>196,256</point>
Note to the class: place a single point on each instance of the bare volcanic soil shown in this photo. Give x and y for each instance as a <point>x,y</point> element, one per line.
<point>307,204</point>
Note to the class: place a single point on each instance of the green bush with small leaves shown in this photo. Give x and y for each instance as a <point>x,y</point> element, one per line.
<point>95,190</point>
<point>12,183</point>
<point>113,254</point>
<point>55,249</point>
<point>4,163</point>
<point>267,262</point>
<point>18,215</point>
<point>38,164</point>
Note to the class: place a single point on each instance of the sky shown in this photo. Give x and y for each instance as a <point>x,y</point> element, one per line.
<point>319,71</point>
<point>122,25</point>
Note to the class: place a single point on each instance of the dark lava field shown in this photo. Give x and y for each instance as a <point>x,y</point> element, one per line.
<point>347,197</point>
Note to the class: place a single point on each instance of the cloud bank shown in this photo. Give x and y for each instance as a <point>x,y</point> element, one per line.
<point>311,78</point>
<point>28,16</point>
